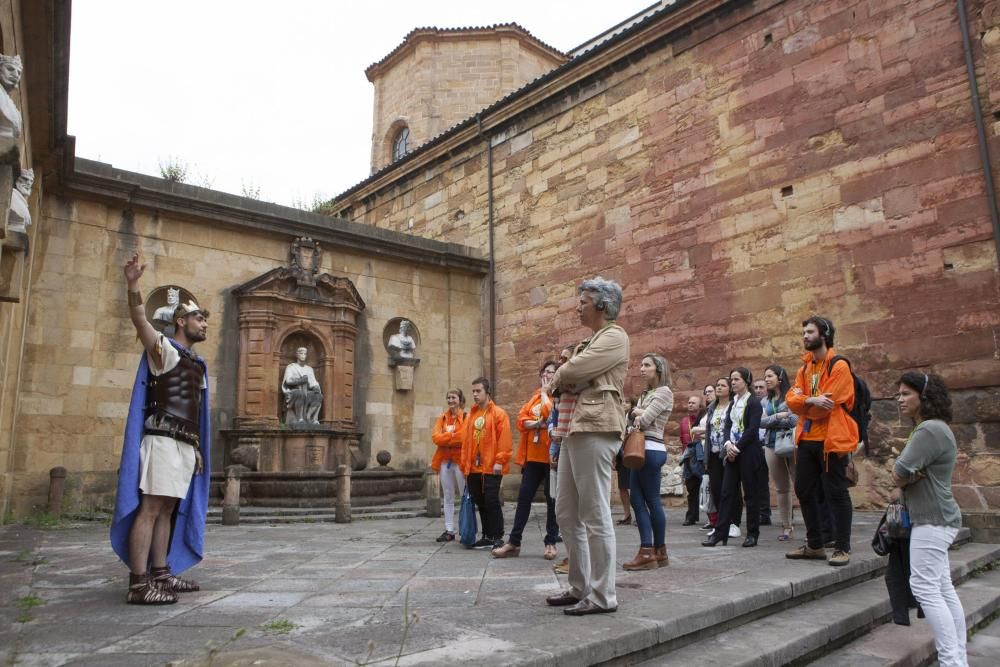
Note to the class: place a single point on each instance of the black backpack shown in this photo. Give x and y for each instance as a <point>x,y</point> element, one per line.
<point>861,413</point>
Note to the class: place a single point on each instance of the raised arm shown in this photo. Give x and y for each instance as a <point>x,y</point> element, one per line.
<point>147,334</point>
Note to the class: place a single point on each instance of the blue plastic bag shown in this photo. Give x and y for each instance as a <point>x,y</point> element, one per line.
<point>467,524</point>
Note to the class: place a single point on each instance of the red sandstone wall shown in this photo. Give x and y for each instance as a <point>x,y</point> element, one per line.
<point>787,158</point>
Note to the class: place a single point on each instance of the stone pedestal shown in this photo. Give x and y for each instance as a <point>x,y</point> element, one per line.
<point>402,373</point>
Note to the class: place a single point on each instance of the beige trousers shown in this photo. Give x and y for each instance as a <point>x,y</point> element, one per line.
<point>782,472</point>
<point>583,508</point>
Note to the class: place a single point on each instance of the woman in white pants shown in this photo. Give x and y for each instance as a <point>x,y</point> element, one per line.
<point>448,438</point>
<point>923,478</point>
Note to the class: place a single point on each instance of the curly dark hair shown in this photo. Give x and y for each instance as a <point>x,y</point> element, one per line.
<point>935,403</point>
<point>824,326</point>
<point>548,362</point>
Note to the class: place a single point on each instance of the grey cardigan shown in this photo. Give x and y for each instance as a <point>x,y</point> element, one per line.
<point>773,423</point>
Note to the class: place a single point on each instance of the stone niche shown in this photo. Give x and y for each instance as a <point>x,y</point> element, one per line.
<point>281,311</point>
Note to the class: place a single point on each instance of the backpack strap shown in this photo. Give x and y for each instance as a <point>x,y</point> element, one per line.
<point>833,362</point>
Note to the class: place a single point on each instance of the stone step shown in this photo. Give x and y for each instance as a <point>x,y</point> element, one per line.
<point>912,646</point>
<point>794,631</point>
<point>265,515</point>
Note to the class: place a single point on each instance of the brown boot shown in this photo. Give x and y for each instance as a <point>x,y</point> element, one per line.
<point>644,560</point>
<point>661,556</point>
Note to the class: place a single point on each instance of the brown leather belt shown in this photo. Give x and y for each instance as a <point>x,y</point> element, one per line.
<point>183,436</point>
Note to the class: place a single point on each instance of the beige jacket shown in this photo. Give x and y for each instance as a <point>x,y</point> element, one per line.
<point>597,374</point>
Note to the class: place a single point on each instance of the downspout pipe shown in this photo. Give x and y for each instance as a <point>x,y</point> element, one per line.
<point>492,255</point>
<point>984,150</point>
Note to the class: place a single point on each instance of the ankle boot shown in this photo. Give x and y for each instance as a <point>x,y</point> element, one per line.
<point>644,560</point>
<point>661,555</point>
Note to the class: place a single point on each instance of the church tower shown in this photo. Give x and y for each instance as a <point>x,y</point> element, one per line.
<point>440,76</point>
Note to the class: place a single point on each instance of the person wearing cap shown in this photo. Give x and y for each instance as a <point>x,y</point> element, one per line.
<point>158,527</point>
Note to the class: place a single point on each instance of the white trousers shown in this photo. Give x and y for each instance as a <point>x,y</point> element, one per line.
<point>930,580</point>
<point>583,508</point>
<point>452,487</point>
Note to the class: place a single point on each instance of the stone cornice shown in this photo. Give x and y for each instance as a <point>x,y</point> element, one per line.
<point>628,44</point>
<point>418,35</point>
<point>96,180</point>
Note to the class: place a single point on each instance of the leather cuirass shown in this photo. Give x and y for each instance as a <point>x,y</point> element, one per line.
<point>176,395</point>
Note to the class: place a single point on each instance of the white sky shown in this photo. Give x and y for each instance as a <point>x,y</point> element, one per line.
<point>261,93</point>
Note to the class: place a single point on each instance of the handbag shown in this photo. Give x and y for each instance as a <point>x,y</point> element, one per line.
<point>468,526</point>
<point>897,521</point>
<point>634,451</point>
<point>851,473</point>
<point>784,443</point>
<point>880,541</point>
<point>705,496</point>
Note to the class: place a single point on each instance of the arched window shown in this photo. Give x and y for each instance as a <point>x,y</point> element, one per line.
<point>399,148</point>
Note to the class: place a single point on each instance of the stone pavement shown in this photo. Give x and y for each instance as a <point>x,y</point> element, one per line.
<point>331,594</point>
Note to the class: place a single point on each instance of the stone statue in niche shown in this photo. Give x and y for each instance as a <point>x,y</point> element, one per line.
<point>401,345</point>
<point>166,313</point>
<point>20,216</point>
<point>303,395</point>
<point>11,69</point>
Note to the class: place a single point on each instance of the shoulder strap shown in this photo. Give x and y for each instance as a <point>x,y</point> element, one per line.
<point>833,362</point>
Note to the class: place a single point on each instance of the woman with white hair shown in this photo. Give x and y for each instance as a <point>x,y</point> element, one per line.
<point>651,415</point>
<point>596,373</point>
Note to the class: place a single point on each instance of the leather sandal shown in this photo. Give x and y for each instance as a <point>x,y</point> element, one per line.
<point>507,551</point>
<point>166,580</point>
<point>142,590</point>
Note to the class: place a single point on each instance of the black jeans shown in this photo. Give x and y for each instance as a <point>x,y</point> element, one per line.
<point>693,486</point>
<point>715,475</point>
<point>812,471</point>
<point>741,472</point>
<point>534,473</point>
<point>485,492</point>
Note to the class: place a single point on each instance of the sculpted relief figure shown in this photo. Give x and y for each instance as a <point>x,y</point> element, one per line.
<point>303,396</point>
<point>10,76</point>
<point>401,345</point>
<point>20,216</point>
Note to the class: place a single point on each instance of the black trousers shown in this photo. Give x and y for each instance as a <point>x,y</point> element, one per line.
<point>742,472</point>
<point>485,492</point>
<point>715,474</point>
<point>534,473</point>
<point>764,492</point>
<point>813,471</point>
<point>897,582</point>
<point>693,486</point>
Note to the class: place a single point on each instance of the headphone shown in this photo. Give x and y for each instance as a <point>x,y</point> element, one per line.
<point>826,326</point>
<point>923,392</point>
<point>600,306</point>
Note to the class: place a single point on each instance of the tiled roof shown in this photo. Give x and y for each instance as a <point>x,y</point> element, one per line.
<point>432,30</point>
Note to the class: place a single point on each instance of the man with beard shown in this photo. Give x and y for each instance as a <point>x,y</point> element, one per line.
<point>158,527</point>
<point>822,397</point>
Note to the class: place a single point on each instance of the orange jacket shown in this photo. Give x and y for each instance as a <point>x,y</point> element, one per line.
<point>492,440</point>
<point>528,449</point>
<point>449,443</point>
<point>835,427</point>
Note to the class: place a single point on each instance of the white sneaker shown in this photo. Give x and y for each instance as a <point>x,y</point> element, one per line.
<point>734,530</point>
<point>710,533</point>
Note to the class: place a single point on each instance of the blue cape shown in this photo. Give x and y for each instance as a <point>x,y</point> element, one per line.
<point>187,539</point>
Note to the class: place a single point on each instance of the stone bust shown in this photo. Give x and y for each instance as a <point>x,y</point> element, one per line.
<point>401,345</point>
<point>166,313</point>
<point>20,215</point>
<point>303,395</point>
<point>10,77</point>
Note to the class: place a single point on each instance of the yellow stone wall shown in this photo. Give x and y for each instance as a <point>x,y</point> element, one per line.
<point>12,315</point>
<point>443,79</point>
<point>81,351</point>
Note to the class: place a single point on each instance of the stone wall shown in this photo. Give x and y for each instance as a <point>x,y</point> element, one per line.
<point>780,159</point>
<point>81,351</point>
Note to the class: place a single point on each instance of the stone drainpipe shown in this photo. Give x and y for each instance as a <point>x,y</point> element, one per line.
<point>984,151</point>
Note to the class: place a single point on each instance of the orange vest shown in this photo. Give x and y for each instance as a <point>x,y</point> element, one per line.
<point>486,440</point>
<point>449,443</point>
<point>530,449</point>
